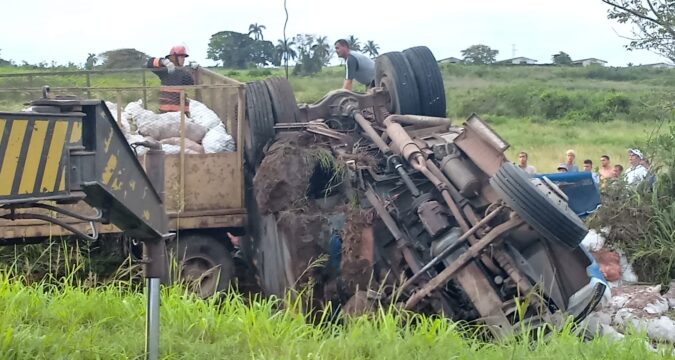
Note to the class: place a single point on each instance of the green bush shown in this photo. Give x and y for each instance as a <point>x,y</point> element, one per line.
<point>555,104</point>
<point>641,221</point>
<point>259,73</point>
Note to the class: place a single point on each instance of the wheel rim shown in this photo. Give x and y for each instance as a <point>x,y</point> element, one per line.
<point>391,105</point>
<point>201,274</point>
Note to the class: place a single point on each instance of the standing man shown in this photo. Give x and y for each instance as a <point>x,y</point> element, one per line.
<point>588,167</point>
<point>571,155</point>
<point>359,67</point>
<point>522,163</point>
<point>637,171</point>
<point>171,72</point>
<point>606,169</point>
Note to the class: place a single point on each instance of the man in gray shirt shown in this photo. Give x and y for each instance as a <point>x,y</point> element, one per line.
<point>359,67</point>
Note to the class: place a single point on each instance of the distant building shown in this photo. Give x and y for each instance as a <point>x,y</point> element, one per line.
<point>660,65</point>
<point>521,60</point>
<point>589,62</point>
<point>451,60</point>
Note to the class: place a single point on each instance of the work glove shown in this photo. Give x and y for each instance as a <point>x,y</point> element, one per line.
<point>193,65</point>
<point>170,67</point>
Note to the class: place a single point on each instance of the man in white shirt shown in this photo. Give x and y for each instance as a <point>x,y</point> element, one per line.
<point>522,163</point>
<point>637,172</point>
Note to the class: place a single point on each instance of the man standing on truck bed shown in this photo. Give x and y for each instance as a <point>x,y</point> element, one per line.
<point>359,67</point>
<point>171,72</point>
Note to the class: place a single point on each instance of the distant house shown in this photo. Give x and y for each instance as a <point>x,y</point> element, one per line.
<point>450,60</point>
<point>589,62</point>
<point>660,65</point>
<point>521,60</point>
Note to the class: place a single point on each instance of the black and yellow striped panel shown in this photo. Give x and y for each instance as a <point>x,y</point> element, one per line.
<point>34,154</point>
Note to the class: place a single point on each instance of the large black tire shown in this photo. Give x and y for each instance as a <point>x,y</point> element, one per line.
<point>429,80</point>
<point>266,248</point>
<point>540,206</point>
<point>394,74</point>
<point>284,105</point>
<point>260,122</point>
<point>204,263</point>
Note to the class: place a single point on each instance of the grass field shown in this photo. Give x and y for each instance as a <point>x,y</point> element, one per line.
<point>69,322</point>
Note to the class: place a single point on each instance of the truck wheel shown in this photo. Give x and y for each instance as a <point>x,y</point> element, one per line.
<point>205,263</point>
<point>260,122</point>
<point>539,205</point>
<point>275,260</point>
<point>429,80</point>
<point>394,74</point>
<point>284,104</point>
<point>268,250</point>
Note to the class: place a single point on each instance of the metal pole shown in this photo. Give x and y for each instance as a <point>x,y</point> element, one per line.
<point>182,152</point>
<point>152,320</point>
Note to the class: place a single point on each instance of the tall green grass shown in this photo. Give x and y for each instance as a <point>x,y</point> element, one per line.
<point>63,321</point>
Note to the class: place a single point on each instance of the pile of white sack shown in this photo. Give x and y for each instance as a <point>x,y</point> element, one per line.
<point>205,133</point>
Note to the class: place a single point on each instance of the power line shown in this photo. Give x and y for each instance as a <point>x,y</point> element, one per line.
<point>285,40</point>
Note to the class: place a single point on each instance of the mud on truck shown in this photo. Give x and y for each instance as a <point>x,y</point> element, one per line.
<point>375,198</point>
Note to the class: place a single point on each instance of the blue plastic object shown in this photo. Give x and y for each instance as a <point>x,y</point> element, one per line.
<point>335,253</point>
<point>583,192</point>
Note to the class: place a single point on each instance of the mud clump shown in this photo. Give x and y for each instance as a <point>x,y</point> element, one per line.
<point>282,180</point>
<point>358,252</point>
<point>305,233</point>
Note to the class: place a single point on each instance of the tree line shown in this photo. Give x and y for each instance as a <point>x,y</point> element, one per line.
<point>483,55</point>
<point>307,53</point>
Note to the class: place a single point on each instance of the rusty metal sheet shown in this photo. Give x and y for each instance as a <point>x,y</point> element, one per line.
<point>485,299</point>
<point>212,182</point>
<point>485,156</point>
<point>211,221</point>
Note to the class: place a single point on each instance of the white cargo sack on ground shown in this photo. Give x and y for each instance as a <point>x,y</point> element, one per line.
<point>202,115</point>
<point>218,140</point>
<point>167,125</point>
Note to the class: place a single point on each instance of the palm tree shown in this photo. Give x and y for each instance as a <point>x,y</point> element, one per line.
<point>371,48</point>
<point>284,51</point>
<point>354,43</point>
<point>256,30</point>
<point>322,49</point>
<point>91,61</point>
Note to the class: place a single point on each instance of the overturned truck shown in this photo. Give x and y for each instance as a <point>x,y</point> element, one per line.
<point>378,198</point>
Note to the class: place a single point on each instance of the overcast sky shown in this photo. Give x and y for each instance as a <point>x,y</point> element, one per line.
<point>66,30</point>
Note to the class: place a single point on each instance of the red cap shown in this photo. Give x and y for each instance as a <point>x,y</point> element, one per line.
<point>178,50</point>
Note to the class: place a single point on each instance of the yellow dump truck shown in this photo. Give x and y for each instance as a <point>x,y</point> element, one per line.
<point>204,193</point>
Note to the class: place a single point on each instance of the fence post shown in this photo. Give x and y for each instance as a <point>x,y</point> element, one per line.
<point>30,85</point>
<point>88,85</point>
<point>119,109</point>
<point>145,91</point>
